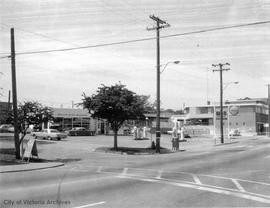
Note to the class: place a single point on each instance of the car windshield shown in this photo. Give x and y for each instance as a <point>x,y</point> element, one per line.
<point>54,131</point>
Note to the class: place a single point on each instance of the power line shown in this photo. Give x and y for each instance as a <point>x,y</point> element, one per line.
<point>140,40</point>
<point>41,35</point>
<point>217,28</point>
<point>2,57</point>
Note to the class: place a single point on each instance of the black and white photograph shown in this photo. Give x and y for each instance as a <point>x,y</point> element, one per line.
<point>134,104</point>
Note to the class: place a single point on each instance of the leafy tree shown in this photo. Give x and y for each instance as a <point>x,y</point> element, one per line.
<point>116,104</point>
<point>32,113</point>
<point>148,107</point>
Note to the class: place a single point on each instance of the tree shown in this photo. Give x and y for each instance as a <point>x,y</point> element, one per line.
<point>148,107</point>
<point>116,104</point>
<point>33,113</point>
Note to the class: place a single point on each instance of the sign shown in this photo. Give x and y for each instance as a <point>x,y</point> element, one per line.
<point>234,110</point>
<point>31,147</point>
<point>218,115</point>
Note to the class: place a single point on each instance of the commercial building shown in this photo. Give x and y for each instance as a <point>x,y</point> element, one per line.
<point>249,116</point>
<point>67,118</point>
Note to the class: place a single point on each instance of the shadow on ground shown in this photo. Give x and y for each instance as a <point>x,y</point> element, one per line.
<point>133,150</point>
<point>7,157</point>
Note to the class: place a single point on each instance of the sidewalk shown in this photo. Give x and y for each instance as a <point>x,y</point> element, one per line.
<point>8,163</point>
<point>29,166</point>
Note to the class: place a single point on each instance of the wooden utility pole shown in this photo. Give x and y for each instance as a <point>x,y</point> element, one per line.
<point>159,25</point>
<point>14,96</point>
<point>221,96</point>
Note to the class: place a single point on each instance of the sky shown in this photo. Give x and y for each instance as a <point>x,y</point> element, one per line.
<point>59,78</point>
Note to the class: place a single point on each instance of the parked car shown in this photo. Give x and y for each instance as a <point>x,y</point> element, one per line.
<point>235,132</point>
<point>80,131</point>
<point>49,134</point>
<point>6,128</point>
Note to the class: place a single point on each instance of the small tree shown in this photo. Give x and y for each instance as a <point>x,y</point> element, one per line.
<point>116,104</point>
<point>31,113</point>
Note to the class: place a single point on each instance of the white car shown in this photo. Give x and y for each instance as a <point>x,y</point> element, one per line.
<point>49,134</point>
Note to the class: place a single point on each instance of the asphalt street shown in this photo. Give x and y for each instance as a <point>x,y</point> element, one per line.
<point>231,175</point>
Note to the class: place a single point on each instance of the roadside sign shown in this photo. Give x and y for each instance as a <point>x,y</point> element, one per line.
<point>234,110</point>
<point>31,147</point>
<point>218,115</point>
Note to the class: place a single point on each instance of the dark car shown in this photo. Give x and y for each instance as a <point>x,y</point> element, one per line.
<point>80,131</point>
<point>6,128</point>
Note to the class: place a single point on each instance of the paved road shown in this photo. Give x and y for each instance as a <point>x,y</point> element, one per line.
<point>232,175</point>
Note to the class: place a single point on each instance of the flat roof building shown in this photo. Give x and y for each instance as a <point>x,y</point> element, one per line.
<point>249,116</point>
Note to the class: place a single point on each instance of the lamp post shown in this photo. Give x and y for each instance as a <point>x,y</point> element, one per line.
<point>158,102</point>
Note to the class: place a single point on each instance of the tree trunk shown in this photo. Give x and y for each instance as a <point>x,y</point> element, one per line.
<point>115,141</point>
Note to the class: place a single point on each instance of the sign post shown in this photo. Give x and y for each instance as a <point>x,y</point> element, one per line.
<point>233,110</point>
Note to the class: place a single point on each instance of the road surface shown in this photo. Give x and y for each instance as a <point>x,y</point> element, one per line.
<point>232,175</point>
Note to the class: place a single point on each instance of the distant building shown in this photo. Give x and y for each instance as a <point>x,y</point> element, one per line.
<point>249,116</point>
<point>67,118</point>
<point>5,108</point>
<point>165,121</point>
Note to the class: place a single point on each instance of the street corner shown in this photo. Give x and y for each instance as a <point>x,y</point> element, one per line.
<point>23,166</point>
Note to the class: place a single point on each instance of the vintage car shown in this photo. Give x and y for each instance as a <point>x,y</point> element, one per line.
<point>6,128</point>
<point>49,134</point>
<point>80,131</point>
<point>235,132</point>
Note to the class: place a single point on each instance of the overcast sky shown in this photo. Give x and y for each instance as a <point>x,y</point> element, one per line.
<point>60,77</point>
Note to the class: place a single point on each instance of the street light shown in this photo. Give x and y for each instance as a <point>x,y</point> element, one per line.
<point>169,62</point>
<point>158,101</point>
<point>228,83</point>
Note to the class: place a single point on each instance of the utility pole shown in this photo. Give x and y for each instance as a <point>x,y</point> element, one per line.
<point>268,110</point>
<point>159,25</point>
<point>221,96</point>
<point>14,94</point>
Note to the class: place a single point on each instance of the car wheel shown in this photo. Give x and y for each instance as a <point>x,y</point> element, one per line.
<point>58,138</point>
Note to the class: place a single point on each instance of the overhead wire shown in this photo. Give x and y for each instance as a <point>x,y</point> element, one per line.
<point>142,39</point>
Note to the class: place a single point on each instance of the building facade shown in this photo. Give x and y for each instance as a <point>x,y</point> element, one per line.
<point>249,116</point>
<point>68,118</point>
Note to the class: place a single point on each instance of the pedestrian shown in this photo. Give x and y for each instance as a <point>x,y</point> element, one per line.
<point>135,132</point>
<point>174,138</point>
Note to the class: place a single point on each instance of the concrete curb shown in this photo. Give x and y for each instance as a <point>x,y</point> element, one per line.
<point>29,167</point>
